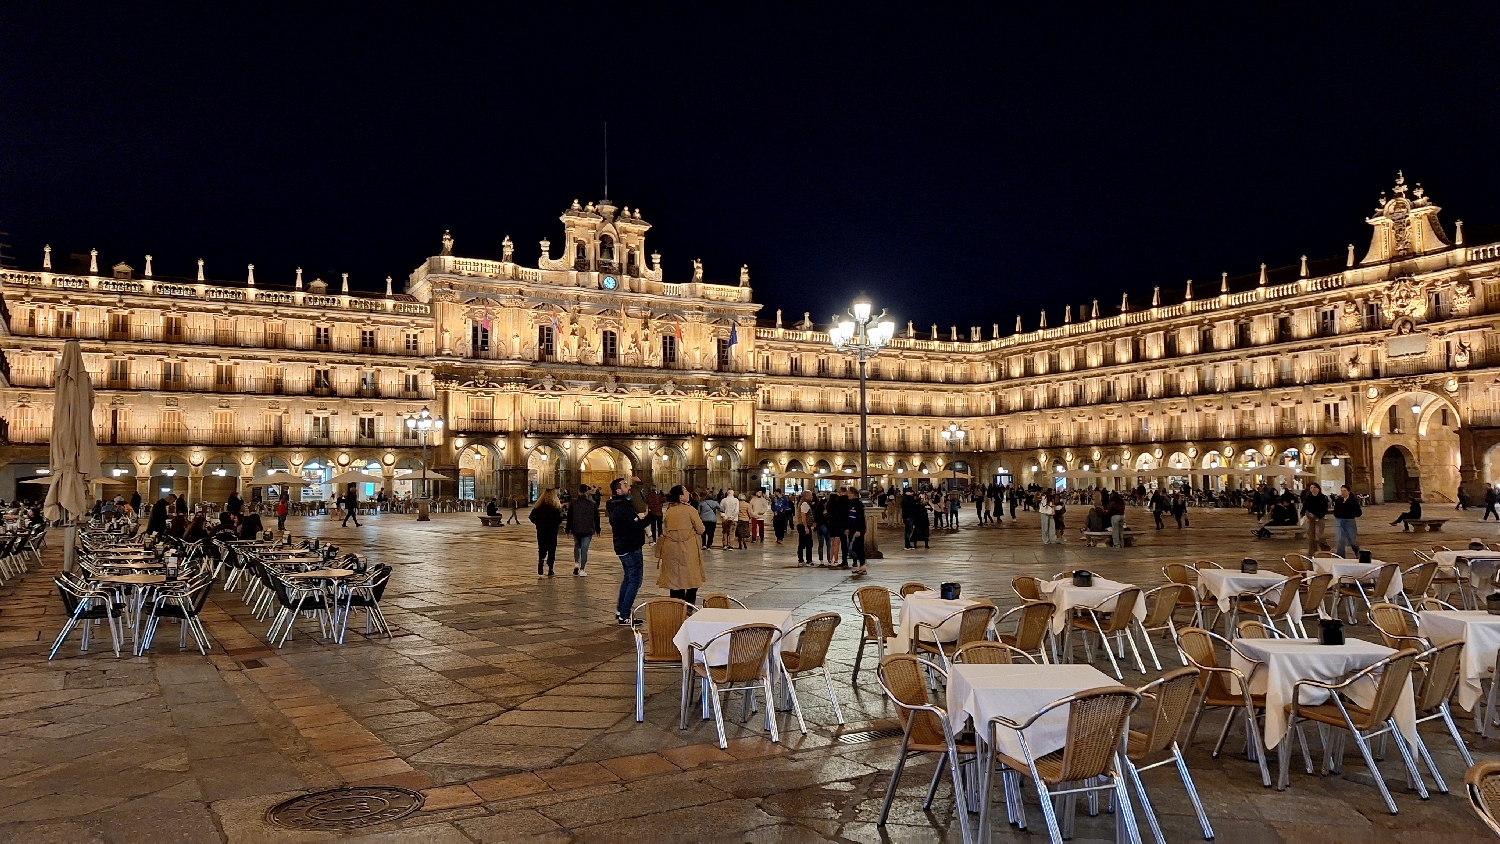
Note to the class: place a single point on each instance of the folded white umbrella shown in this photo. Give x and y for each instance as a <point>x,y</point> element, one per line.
<point>416,475</point>
<point>74,454</point>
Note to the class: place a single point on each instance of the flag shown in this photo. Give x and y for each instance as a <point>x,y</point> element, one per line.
<point>486,321</point>
<point>734,336</point>
<point>677,329</point>
<point>556,326</point>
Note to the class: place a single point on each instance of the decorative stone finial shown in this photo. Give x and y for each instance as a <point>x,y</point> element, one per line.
<point>934,331</point>
<point>200,269</point>
<point>1304,266</point>
<point>995,331</point>
<point>507,250</point>
<point>911,331</point>
<point>1188,295</point>
<point>1096,310</point>
<point>656,261</point>
<point>1043,322</point>
<point>387,287</point>
<point>1156,297</point>
<point>345,287</point>
<point>1458,234</point>
<point>47,257</point>
<point>299,278</point>
<point>1349,262</point>
<point>806,320</point>
<point>148,266</point>
<point>1224,284</point>
<point>250,275</point>
<point>1124,303</point>
<point>1262,274</point>
<point>93,262</point>
<point>1019,329</point>
<point>744,275</point>
<point>953,333</point>
<point>778,317</point>
<point>448,239</point>
<point>1067,314</point>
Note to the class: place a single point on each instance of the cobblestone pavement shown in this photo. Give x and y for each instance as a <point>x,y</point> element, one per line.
<point>507,699</point>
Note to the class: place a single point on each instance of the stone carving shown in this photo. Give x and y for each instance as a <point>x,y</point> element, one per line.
<point>507,250</point>
<point>1463,355</point>
<point>697,270</point>
<point>447,243</point>
<point>1463,298</point>
<point>744,275</point>
<point>1403,300</point>
<point>1349,315</point>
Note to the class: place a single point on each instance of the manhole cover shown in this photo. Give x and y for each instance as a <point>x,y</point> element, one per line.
<point>345,808</point>
<point>862,736</point>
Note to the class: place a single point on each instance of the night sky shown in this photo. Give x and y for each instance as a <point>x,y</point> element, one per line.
<point>957,168</point>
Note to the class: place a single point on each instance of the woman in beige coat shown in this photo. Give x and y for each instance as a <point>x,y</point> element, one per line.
<point>679,552</point>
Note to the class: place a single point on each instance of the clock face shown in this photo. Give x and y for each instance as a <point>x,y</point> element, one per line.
<point>609,282</point>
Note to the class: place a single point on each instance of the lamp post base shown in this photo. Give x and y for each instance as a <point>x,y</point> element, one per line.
<point>424,511</point>
<point>872,545</point>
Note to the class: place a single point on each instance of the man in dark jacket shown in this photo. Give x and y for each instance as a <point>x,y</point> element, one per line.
<point>583,512</point>
<point>629,530</point>
<point>854,529</point>
<point>1315,508</point>
<point>837,509</point>
<point>1346,532</point>
<point>235,505</point>
<point>909,507</point>
<point>158,521</point>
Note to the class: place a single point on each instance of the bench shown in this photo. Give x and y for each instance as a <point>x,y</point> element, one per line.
<point>1285,531</point>
<point>1419,525</point>
<point>492,521</point>
<point>1094,537</point>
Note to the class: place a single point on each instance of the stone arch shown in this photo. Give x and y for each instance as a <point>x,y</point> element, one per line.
<point>1432,401</point>
<point>723,466</point>
<point>478,465</point>
<point>546,467</point>
<point>601,464</point>
<point>169,474</point>
<point>1400,475</point>
<point>669,472</point>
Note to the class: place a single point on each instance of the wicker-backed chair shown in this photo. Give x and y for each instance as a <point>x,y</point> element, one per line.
<point>974,625</point>
<point>991,653</point>
<point>1449,579</point>
<point>720,601</point>
<point>1314,591</point>
<point>745,671</point>
<point>1161,603</point>
<point>1399,627</point>
<point>1351,589</point>
<point>1287,595</point>
<point>1027,587</point>
<point>1221,687</point>
<point>1206,563</point>
<point>1172,697</point>
<point>1186,575</point>
<point>1363,724</point>
<point>1483,782</point>
<point>1280,567</point>
<point>925,728</point>
<point>1300,562</point>
<point>1112,616</point>
<point>911,586</point>
<point>1416,581</point>
<point>1434,604</point>
<point>655,623</point>
<point>1326,555</point>
<point>1098,721</point>
<point>1033,632</point>
<point>811,655</point>
<point>874,606</point>
<point>1438,671</point>
<point>1253,629</point>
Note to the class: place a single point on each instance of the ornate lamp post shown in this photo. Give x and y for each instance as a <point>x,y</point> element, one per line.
<point>954,437</point>
<point>424,423</point>
<point>863,335</point>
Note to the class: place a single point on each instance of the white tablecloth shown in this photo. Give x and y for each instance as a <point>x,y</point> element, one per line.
<point>1067,597</point>
<point>928,608</point>
<point>1227,584</point>
<point>706,624</point>
<point>982,692</point>
<point>1481,564</point>
<point>1288,660</point>
<point>1348,570</point>
<point>1480,633</point>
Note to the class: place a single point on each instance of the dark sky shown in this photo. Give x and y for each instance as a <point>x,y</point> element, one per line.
<point>959,168</point>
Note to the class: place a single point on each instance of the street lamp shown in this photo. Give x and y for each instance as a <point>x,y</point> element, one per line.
<point>954,436</point>
<point>424,423</point>
<point>863,335</point>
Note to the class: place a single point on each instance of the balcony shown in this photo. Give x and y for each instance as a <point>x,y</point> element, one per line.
<point>612,426</point>
<point>468,426</point>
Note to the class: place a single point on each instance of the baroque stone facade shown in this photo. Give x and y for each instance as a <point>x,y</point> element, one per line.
<point>1381,372</point>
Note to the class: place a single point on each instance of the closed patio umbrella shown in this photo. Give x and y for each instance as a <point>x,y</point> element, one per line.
<point>279,479</point>
<point>416,474</point>
<point>74,452</point>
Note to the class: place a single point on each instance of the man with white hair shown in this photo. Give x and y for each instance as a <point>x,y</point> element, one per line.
<point>729,513</point>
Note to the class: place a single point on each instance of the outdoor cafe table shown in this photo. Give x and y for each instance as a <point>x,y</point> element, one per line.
<point>1067,597</point>
<point>134,579</point>
<point>1348,571</point>
<point>928,607</point>
<point>708,623</point>
<point>1481,564</point>
<point>1017,691</point>
<point>1228,584</point>
<point>1286,661</point>
<point>330,574</point>
<point>1480,633</point>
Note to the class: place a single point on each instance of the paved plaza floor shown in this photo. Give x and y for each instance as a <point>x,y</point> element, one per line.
<point>508,700</point>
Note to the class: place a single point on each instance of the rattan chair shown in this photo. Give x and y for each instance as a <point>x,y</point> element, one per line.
<point>1098,722</point>
<point>991,653</point>
<point>1363,724</point>
<point>1286,596</point>
<point>1316,591</point>
<point>1252,629</point>
<point>1221,687</point>
<point>874,606</point>
<point>1483,781</point>
<point>1326,555</point>
<point>1033,632</point>
<point>1209,563</point>
<point>745,671</point>
<point>1172,697</point>
<point>1399,627</point>
<point>720,601</point>
<point>1352,588</point>
<point>975,623</point>
<point>1186,575</point>
<point>1437,671</point>
<point>811,654</point>
<point>1416,581</point>
<point>925,728</point>
<point>1161,603</point>
<point>1111,616</point>
<point>1300,562</point>
<point>913,586</point>
<point>655,623</point>
<point>1027,587</point>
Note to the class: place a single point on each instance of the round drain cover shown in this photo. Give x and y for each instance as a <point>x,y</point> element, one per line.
<point>345,808</point>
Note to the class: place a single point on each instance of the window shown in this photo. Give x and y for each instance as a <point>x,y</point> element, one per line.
<point>1393,418</point>
<point>1170,343</point>
<point>668,349</point>
<point>1437,305</point>
<point>413,341</point>
<point>65,323</point>
<point>874,369</point>
<point>848,368</point>
<point>1372,316</point>
<point>367,427</point>
<point>367,382</point>
<point>545,342</point>
<point>171,375</point>
<point>723,352</point>
<point>795,364</point>
<point>479,338</point>
<point>366,340</point>
<point>1328,321</point>
<point>822,366</point>
<point>223,426</point>
<point>669,414</point>
<point>320,429</point>
<point>224,376</point>
<point>275,336</point>
<point>276,381</point>
<point>410,383</point>
<point>119,326</point>
<point>609,413</point>
<point>611,346</point>
<point>172,329</point>
<point>795,438</point>
<point>171,425</point>
<point>1206,340</point>
<point>322,336</point>
<point>31,320</point>
<point>119,374</point>
<point>1283,328</point>
<point>408,432</point>
<point>322,379</point>
<point>1241,335</point>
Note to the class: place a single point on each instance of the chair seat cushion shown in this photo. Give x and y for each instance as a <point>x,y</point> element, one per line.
<point>1328,713</point>
<point>1049,766</point>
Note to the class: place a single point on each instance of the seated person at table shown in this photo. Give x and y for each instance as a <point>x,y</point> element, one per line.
<point>1414,511</point>
<point>198,530</point>
<point>1283,514</point>
<point>250,526</point>
<point>177,526</point>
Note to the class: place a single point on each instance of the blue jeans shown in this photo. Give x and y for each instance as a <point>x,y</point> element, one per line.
<point>1345,532</point>
<point>1117,531</point>
<point>634,564</point>
<point>825,542</point>
<point>581,550</point>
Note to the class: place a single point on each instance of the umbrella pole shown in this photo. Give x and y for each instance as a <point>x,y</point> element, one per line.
<point>70,537</point>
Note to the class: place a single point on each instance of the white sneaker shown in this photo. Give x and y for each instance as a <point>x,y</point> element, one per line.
<point>582,573</point>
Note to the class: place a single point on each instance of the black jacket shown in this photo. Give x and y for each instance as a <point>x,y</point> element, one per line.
<point>1347,509</point>
<point>546,517</point>
<point>582,511</point>
<point>158,521</point>
<point>626,524</point>
<point>1315,506</point>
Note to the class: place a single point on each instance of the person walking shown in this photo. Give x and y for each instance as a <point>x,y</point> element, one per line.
<point>1049,530</point>
<point>582,515</point>
<point>283,504</point>
<point>629,530</point>
<point>547,515</point>
<point>351,505</point>
<point>807,525</point>
<point>679,553</point>
<point>1345,530</point>
<point>708,513</point>
<point>1179,509</point>
<point>781,515</point>
<point>654,501</point>
<point>515,504</point>
<point>1314,509</point>
<point>729,513</point>
<point>234,506</point>
<point>760,509</point>
<point>1489,503</point>
<point>909,512</point>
